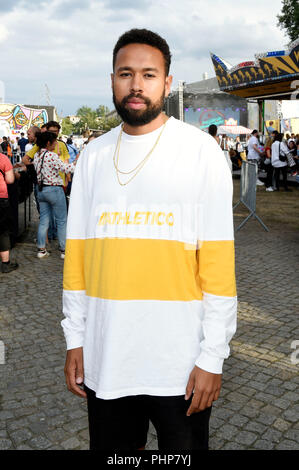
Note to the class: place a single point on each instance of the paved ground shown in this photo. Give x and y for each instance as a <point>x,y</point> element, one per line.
<point>259,403</point>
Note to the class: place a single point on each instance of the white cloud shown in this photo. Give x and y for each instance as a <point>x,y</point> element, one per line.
<point>3,33</point>
<point>68,44</point>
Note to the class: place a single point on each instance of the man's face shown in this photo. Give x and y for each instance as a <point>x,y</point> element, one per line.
<point>31,135</point>
<point>55,130</point>
<point>139,83</point>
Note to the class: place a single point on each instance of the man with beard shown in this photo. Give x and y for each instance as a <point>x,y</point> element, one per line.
<point>149,286</point>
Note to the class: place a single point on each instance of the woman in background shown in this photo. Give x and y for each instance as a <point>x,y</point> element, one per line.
<point>279,151</point>
<point>268,165</point>
<point>50,191</point>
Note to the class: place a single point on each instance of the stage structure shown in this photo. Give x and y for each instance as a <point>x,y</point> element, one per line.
<point>202,103</point>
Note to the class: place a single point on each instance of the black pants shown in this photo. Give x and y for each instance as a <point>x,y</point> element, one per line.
<point>5,224</point>
<point>269,170</point>
<point>122,423</point>
<point>284,171</point>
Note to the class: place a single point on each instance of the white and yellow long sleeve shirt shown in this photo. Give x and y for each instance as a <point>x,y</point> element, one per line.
<point>149,281</point>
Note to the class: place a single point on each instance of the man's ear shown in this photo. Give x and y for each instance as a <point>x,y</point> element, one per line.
<point>168,83</point>
<point>112,80</point>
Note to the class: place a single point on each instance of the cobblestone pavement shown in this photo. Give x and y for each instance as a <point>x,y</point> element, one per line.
<point>258,407</point>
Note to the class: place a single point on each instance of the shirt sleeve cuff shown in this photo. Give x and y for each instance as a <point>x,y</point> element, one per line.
<point>74,342</point>
<point>209,363</point>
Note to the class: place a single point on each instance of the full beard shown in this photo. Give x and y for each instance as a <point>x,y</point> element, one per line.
<point>138,117</point>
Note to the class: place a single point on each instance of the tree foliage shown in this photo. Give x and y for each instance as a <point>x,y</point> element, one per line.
<point>289,18</point>
<point>102,110</point>
<point>66,126</point>
<point>90,119</point>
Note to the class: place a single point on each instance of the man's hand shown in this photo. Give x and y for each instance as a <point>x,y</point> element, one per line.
<point>73,370</point>
<point>205,387</point>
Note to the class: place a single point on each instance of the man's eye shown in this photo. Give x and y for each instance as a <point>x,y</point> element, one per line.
<point>124,74</point>
<point>149,75</point>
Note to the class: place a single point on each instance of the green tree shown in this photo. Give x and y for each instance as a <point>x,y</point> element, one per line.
<point>88,120</point>
<point>107,123</point>
<point>289,18</point>
<point>102,110</point>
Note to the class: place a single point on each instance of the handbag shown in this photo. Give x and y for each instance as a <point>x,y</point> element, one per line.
<point>282,157</point>
<point>41,184</point>
<point>267,161</point>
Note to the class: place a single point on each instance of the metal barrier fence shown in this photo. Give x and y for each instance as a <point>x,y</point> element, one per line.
<point>249,173</point>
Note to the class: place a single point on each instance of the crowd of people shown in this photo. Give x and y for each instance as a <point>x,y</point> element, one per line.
<point>49,163</point>
<point>276,155</point>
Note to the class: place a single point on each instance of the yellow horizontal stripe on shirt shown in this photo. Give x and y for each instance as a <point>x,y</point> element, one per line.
<point>138,269</point>
<point>216,260</point>
<point>73,270</point>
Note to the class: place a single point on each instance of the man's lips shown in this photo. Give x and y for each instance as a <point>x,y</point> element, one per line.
<point>135,103</point>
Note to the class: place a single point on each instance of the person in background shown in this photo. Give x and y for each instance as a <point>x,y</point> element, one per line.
<point>9,149</point>
<point>268,166</point>
<point>31,134</point>
<point>254,153</point>
<point>61,148</point>
<point>224,142</point>
<point>278,149</point>
<point>50,191</point>
<point>293,151</point>
<point>73,151</point>
<point>62,151</point>
<point>6,177</point>
<point>14,146</point>
<point>235,159</point>
<point>4,145</point>
<point>22,144</point>
<point>239,147</point>
<point>270,129</point>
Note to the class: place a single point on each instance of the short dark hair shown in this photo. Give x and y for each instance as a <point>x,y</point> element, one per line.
<point>43,126</point>
<point>52,124</point>
<point>144,36</point>
<point>278,137</point>
<point>44,137</point>
<point>213,130</point>
<point>255,131</point>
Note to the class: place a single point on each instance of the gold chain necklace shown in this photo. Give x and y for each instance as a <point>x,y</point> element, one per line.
<point>139,166</point>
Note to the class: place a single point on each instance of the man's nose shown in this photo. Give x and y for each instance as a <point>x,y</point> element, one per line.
<point>137,83</point>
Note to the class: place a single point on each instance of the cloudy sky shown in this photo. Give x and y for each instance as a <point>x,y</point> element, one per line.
<point>67,44</point>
